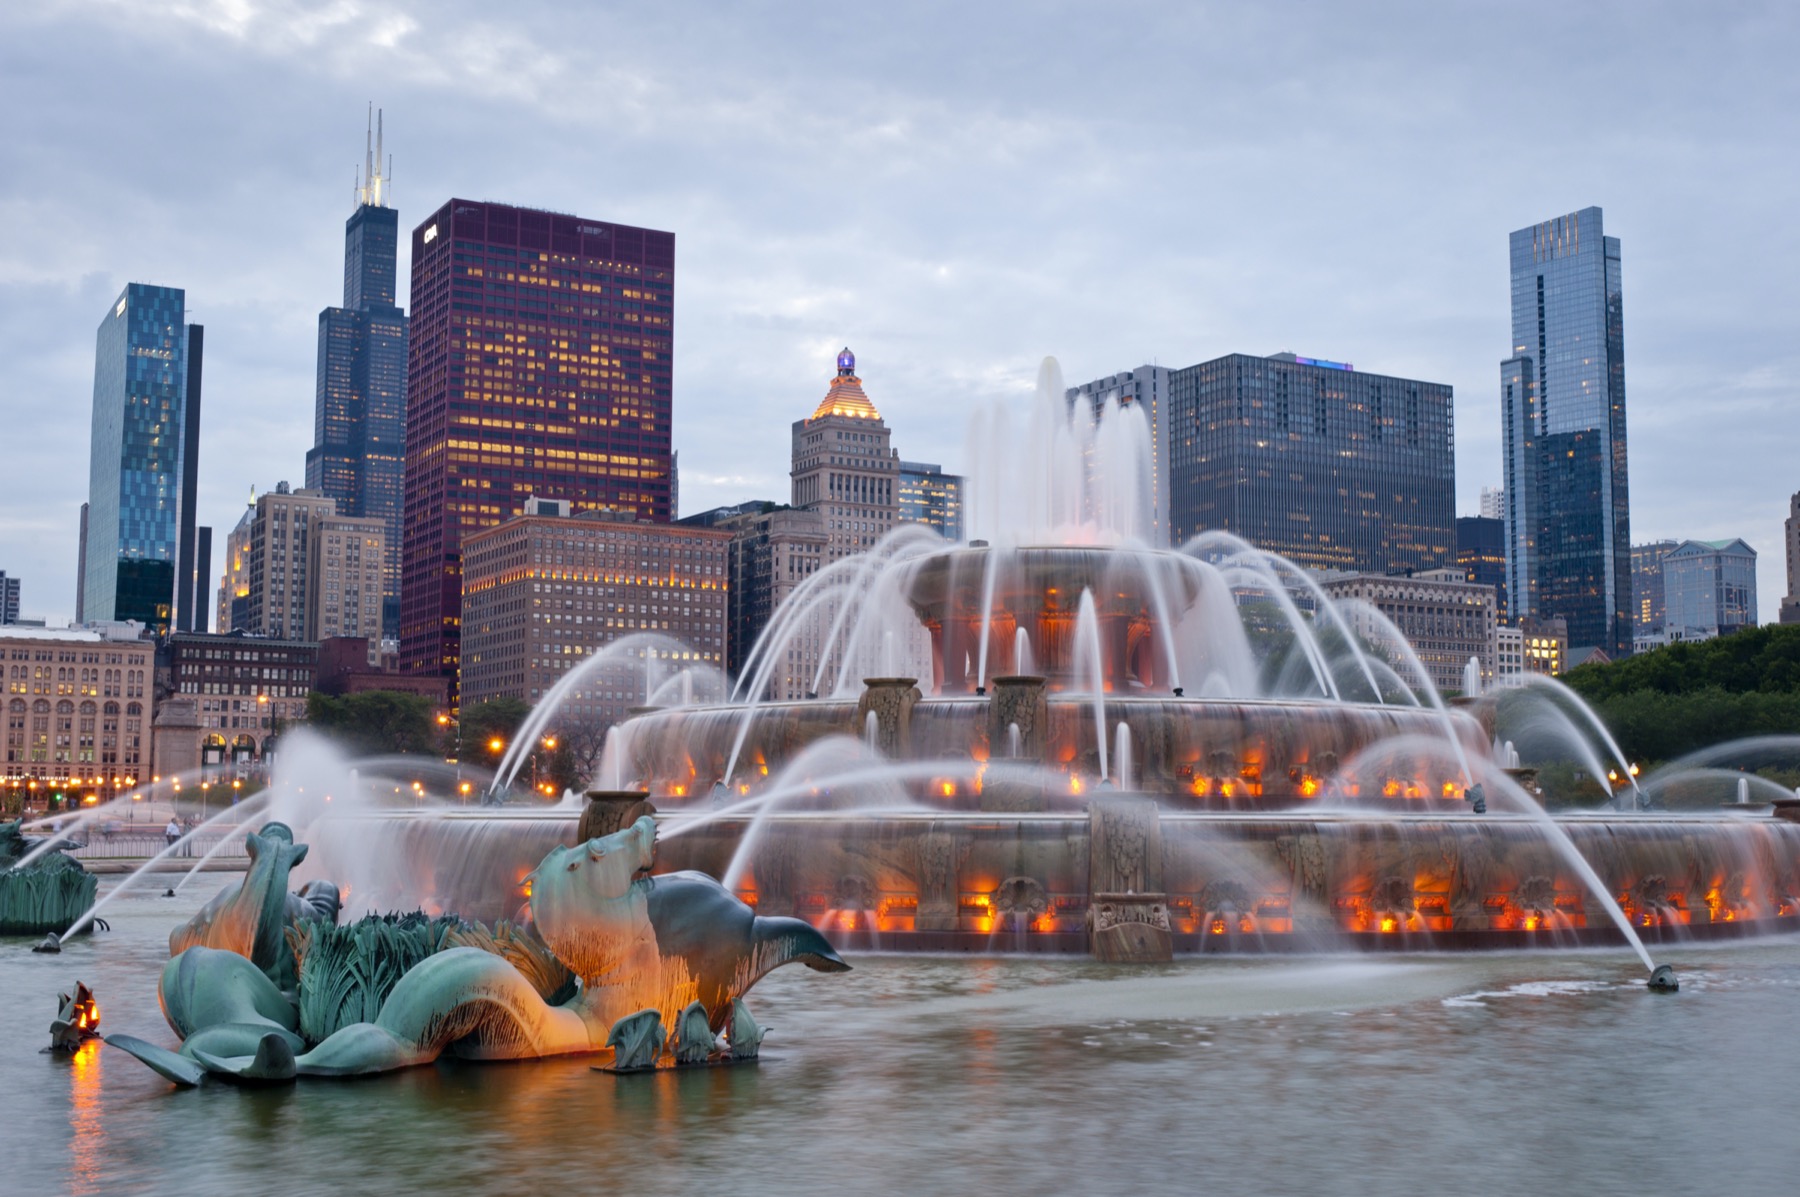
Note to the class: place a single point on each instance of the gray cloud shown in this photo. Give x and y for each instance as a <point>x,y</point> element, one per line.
<point>953,190</point>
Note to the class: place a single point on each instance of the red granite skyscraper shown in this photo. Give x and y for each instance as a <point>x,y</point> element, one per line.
<point>539,364</point>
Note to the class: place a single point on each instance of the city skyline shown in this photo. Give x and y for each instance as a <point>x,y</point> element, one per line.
<point>790,255</point>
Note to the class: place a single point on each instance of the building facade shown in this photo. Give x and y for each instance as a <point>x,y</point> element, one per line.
<point>1709,588</point>
<point>1334,469</point>
<point>1445,619</point>
<point>78,706</point>
<point>359,407</point>
<point>1493,503</point>
<point>928,496</point>
<point>247,689</point>
<point>143,459</point>
<point>1509,657</point>
<point>844,467</point>
<point>346,578</point>
<point>1546,644</point>
<point>1563,433</point>
<point>234,582</point>
<point>543,593</point>
<point>279,552</point>
<point>538,362</point>
<point>9,599</point>
<point>1481,555</point>
<point>773,549</point>
<point>1790,602</point>
<point>1647,598</point>
<point>1147,389</point>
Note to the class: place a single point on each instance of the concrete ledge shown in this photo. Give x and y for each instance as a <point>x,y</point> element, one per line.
<point>108,868</point>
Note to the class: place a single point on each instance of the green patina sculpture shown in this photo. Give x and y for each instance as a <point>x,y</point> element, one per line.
<point>745,1036</point>
<point>45,896</point>
<point>637,1041</point>
<point>693,1039</point>
<point>264,987</point>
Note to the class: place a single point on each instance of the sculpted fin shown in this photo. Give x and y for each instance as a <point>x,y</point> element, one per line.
<point>273,1062</point>
<point>161,1060</point>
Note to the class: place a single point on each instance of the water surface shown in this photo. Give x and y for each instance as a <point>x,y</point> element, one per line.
<point>1529,1072</point>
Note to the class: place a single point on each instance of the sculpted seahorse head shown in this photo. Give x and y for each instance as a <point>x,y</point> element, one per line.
<point>589,901</point>
<point>248,918</point>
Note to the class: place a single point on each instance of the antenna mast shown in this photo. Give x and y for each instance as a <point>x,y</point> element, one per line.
<point>371,190</point>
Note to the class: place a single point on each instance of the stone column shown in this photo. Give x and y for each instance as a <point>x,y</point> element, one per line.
<point>892,700</point>
<point>1018,700</point>
<point>937,859</point>
<point>1128,912</point>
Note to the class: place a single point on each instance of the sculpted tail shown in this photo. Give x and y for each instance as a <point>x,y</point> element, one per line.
<point>781,940</point>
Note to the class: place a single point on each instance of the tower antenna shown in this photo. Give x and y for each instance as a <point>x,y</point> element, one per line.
<point>371,192</point>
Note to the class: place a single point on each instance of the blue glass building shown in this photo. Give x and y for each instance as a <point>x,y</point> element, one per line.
<point>1568,526</point>
<point>142,461</point>
<point>359,412</point>
<point>1709,588</point>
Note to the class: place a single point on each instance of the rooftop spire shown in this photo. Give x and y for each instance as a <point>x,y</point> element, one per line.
<point>846,398</point>
<point>377,172</point>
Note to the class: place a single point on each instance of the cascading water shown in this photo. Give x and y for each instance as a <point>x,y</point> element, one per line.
<point>1023,662</point>
<point>1090,677</point>
<point>1217,686</point>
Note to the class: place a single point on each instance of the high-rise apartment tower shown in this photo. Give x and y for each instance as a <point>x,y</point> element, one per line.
<point>1568,525</point>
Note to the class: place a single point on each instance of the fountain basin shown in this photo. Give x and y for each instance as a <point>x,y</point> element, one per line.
<point>1236,882</point>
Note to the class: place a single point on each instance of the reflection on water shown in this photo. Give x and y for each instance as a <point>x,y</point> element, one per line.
<point>1550,1072</point>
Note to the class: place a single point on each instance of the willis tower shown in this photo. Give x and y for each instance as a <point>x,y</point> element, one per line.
<point>359,414</point>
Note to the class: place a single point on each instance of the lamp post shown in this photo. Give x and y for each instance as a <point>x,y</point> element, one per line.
<point>549,745</point>
<point>496,748</point>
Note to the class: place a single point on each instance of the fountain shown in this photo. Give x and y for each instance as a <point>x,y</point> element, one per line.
<point>1061,731</point>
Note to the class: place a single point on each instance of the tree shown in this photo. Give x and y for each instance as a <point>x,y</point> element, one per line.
<point>485,723</point>
<point>376,722</point>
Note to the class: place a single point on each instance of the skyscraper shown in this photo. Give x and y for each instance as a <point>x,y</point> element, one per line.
<point>1563,424</point>
<point>843,466</point>
<point>1790,529</point>
<point>359,409</point>
<point>142,462</point>
<point>9,599</point>
<point>1147,388</point>
<point>1481,555</point>
<point>538,363</point>
<point>1331,467</point>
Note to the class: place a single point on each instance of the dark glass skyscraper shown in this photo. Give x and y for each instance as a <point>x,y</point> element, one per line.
<point>1568,526</point>
<point>1334,468</point>
<point>359,411</point>
<point>142,461</point>
<point>539,364</point>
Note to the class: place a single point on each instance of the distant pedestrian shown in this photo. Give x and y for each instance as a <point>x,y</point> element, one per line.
<point>172,832</point>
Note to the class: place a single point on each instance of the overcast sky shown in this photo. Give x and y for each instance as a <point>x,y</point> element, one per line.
<point>954,190</point>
